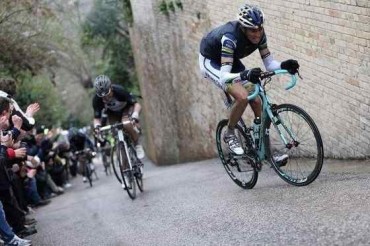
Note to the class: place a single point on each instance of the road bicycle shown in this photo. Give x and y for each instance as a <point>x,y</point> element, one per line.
<point>285,129</point>
<point>130,167</point>
<point>84,158</point>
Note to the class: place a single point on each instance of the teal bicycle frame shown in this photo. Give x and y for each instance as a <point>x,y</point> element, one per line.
<point>268,112</point>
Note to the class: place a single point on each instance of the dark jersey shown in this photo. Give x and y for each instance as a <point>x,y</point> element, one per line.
<point>229,36</point>
<point>120,101</point>
<point>80,141</point>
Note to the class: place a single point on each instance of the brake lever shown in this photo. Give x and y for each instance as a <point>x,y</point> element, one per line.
<point>299,74</point>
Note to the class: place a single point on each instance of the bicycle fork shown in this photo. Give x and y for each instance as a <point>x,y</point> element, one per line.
<point>122,139</point>
<point>279,126</point>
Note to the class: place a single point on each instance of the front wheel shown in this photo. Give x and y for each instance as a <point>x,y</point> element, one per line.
<point>303,149</point>
<point>137,167</point>
<point>88,173</point>
<point>241,169</point>
<point>115,165</point>
<point>127,173</point>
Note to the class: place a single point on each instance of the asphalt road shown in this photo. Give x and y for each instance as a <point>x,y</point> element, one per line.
<point>198,204</point>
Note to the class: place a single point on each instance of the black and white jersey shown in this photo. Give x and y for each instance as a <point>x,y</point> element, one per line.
<point>120,100</point>
<point>229,40</point>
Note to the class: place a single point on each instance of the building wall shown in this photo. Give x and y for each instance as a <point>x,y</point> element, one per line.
<point>330,39</point>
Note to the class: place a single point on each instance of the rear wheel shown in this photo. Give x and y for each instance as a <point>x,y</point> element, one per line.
<point>241,169</point>
<point>304,148</point>
<point>127,174</point>
<point>138,168</point>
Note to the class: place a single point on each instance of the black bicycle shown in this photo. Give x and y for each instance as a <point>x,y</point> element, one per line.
<point>124,154</point>
<point>87,168</point>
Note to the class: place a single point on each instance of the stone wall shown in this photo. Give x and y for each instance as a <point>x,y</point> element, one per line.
<point>331,40</point>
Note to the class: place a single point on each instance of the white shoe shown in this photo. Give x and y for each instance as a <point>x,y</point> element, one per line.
<point>84,179</point>
<point>281,160</point>
<point>234,144</point>
<point>16,241</point>
<point>139,151</point>
<point>67,185</point>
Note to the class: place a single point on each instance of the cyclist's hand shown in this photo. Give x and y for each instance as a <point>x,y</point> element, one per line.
<point>135,117</point>
<point>97,130</point>
<point>252,75</point>
<point>291,65</point>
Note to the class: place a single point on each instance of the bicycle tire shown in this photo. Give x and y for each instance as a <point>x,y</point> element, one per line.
<point>226,159</point>
<point>139,179</point>
<point>127,174</point>
<point>138,168</point>
<point>113,162</point>
<point>106,163</point>
<point>295,118</point>
<point>88,173</point>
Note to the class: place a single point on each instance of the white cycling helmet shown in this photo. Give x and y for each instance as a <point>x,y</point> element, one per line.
<point>251,16</point>
<point>102,85</point>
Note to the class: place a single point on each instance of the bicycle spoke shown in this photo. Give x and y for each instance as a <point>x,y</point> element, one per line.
<point>305,150</point>
<point>239,169</point>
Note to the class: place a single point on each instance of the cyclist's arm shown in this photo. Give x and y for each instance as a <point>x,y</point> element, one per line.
<point>97,122</point>
<point>136,112</point>
<point>89,143</point>
<point>228,43</point>
<point>98,106</point>
<point>268,60</point>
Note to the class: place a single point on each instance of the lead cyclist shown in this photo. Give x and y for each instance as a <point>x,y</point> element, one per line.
<point>219,58</point>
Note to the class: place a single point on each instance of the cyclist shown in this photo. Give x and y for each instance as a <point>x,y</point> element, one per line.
<point>78,141</point>
<point>119,105</point>
<point>220,53</point>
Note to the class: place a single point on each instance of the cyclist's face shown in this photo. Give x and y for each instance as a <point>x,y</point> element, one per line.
<point>254,35</point>
<point>108,96</point>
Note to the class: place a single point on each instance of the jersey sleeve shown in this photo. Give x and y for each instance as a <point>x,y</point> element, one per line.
<point>228,42</point>
<point>123,96</point>
<point>98,106</point>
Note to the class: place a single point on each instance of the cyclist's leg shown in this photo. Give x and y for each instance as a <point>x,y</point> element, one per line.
<point>211,70</point>
<point>81,168</point>
<point>256,106</point>
<point>129,128</point>
<point>134,135</point>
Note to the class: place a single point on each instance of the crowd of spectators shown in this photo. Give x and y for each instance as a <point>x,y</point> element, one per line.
<point>35,166</point>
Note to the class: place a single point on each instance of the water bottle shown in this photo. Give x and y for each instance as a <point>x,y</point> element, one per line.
<point>256,130</point>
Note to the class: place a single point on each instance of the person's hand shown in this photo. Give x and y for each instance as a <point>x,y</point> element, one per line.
<point>291,65</point>
<point>4,121</point>
<point>97,130</point>
<point>32,109</point>
<point>252,75</point>
<point>135,117</point>
<point>6,138</point>
<point>35,161</point>
<point>31,173</point>
<point>20,153</point>
<point>17,121</point>
<point>15,168</point>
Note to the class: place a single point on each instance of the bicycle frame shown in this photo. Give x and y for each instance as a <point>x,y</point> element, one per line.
<point>120,136</point>
<point>267,112</point>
